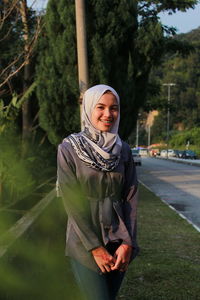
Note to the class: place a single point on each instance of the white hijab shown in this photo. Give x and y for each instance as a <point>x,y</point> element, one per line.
<point>98,150</point>
<point>104,142</point>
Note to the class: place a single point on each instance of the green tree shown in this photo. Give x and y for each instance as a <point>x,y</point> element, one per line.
<point>185,96</point>
<point>11,46</point>
<point>57,72</point>
<point>159,129</point>
<point>18,37</point>
<point>189,137</point>
<point>125,41</point>
<point>109,35</point>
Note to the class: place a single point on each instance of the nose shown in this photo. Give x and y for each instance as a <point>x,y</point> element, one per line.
<point>107,113</point>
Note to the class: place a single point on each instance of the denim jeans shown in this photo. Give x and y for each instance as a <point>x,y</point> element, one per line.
<point>96,286</point>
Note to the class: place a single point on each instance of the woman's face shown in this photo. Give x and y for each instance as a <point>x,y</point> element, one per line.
<point>105,112</point>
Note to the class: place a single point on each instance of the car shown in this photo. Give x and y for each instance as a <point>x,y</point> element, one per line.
<point>136,157</point>
<point>177,153</point>
<point>143,152</point>
<point>180,153</point>
<point>168,153</point>
<point>163,153</point>
<point>188,154</point>
<point>171,153</point>
<point>154,152</point>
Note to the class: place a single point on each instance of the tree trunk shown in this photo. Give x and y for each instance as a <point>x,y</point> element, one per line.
<point>26,111</point>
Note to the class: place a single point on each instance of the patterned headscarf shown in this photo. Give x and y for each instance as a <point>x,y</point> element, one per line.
<point>99,150</point>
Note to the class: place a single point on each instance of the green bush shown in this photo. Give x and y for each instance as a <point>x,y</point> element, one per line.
<point>20,176</point>
<point>188,138</point>
<point>15,178</point>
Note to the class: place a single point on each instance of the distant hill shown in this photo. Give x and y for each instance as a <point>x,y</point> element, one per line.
<point>192,36</point>
<point>184,71</point>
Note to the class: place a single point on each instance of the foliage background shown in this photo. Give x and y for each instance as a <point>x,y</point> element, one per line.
<point>128,48</point>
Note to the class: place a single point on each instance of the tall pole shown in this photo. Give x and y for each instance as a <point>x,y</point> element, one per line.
<point>81,49</point>
<point>137,130</point>
<point>149,135</point>
<point>168,111</point>
<point>137,134</point>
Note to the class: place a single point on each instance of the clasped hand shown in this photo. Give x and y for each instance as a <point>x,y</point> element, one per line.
<point>107,262</point>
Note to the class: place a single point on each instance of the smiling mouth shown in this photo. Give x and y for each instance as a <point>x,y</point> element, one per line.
<point>107,121</point>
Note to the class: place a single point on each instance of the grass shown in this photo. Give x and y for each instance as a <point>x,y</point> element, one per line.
<point>168,266</point>
<point>35,267</point>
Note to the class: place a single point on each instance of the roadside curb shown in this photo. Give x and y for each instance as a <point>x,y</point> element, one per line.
<point>180,161</point>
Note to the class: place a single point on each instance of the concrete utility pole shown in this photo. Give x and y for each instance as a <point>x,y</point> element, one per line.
<point>168,111</point>
<point>137,134</point>
<point>81,49</point>
<point>137,130</point>
<point>149,135</point>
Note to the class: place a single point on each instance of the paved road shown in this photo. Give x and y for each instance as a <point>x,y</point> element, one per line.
<point>176,184</point>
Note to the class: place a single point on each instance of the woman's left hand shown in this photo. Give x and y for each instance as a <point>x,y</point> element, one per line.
<point>122,255</point>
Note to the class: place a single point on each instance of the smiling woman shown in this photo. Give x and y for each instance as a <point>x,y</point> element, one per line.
<point>97,181</point>
<point>105,112</point>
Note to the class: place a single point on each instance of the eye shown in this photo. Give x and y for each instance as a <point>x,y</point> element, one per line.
<point>100,107</point>
<point>114,108</point>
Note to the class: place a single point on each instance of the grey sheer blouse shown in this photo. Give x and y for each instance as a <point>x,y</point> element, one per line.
<point>101,206</point>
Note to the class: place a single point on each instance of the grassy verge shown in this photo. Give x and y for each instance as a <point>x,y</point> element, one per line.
<point>35,267</point>
<point>168,266</point>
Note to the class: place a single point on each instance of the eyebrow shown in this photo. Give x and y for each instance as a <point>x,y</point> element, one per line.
<point>105,104</point>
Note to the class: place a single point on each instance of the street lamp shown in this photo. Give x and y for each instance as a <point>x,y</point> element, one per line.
<point>168,111</point>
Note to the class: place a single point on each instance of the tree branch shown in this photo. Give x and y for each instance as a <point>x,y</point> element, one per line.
<point>26,55</point>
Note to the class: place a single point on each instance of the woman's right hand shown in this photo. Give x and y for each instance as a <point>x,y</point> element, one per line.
<point>104,260</point>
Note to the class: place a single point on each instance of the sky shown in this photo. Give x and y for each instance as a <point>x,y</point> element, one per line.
<point>183,21</point>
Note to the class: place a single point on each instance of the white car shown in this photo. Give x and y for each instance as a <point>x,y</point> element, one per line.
<point>136,157</point>
<point>171,153</point>
<point>143,152</point>
<point>163,153</point>
<point>168,153</point>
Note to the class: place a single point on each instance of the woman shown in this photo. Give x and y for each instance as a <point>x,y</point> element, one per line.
<point>98,184</point>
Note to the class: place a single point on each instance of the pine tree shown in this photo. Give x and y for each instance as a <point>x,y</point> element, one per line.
<point>57,72</point>
<point>110,41</point>
<point>111,31</point>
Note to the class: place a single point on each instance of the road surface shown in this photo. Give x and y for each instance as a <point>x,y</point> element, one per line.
<point>176,184</point>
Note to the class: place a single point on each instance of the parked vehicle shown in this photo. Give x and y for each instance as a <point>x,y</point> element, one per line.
<point>188,154</point>
<point>177,153</point>
<point>154,152</point>
<point>143,152</point>
<point>163,153</point>
<point>168,153</point>
<point>171,153</point>
<point>180,152</point>
<point>136,157</point>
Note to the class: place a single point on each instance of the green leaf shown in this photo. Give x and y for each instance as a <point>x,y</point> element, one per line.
<point>14,100</point>
<point>1,105</point>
